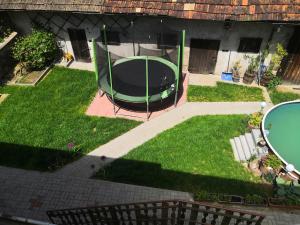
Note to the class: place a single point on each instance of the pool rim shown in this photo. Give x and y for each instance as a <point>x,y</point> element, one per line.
<point>266,137</point>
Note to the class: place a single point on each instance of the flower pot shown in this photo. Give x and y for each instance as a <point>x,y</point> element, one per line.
<point>236,79</point>
<point>265,80</point>
<point>248,77</point>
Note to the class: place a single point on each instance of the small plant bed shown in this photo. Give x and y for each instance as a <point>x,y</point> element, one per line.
<point>44,127</point>
<point>249,199</point>
<point>193,156</point>
<point>224,92</point>
<point>278,97</point>
<point>32,78</point>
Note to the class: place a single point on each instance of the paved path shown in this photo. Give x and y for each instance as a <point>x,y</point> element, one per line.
<point>89,164</point>
<point>30,194</point>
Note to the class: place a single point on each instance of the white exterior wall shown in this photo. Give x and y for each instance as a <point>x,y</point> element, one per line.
<point>229,39</point>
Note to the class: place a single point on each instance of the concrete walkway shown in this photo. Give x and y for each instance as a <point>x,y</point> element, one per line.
<point>89,164</point>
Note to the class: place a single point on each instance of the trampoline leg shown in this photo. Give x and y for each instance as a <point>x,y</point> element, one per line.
<point>147,112</point>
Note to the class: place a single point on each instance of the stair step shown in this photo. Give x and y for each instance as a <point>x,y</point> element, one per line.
<point>245,147</point>
<point>251,143</point>
<point>239,149</point>
<point>256,133</point>
<point>235,153</point>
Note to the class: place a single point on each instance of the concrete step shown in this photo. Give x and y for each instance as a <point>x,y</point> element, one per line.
<point>251,143</point>
<point>256,133</point>
<point>245,147</point>
<point>239,149</point>
<point>235,153</point>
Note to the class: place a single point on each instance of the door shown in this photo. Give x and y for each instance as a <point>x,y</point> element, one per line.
<point>203,55</point>
<point>290,66</point>
<point>79,45</point>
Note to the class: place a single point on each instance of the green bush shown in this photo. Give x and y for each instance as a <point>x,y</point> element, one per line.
<point>273,161</point>
<point>255,119</point>
<point>37,50</point>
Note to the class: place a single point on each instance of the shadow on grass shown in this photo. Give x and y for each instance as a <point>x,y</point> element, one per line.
<point>35,158</point>
<point>153,175</point>
<point>127,171</point>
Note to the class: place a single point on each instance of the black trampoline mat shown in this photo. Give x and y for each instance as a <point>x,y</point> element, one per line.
<point>129,77</point>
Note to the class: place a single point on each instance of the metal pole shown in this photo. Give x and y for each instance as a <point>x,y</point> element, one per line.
<point>109,70</point>
<point>95,60</point>
<point>133,38</point>
<point>147,88</point>
<point>179,57</point>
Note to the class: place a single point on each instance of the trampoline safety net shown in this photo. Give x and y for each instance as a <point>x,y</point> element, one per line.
<point>139,65</point>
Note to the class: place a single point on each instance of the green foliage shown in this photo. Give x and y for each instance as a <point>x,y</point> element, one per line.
<point>5,29</point>
<point>253,64</point>
<point>37,50</point>
<point>274,82</point>
<point>277,57</point>
<point>278,97</point>
<point>45,127</point>
<point>255,199</point>
<point>255,119</point>
<point>224,93</point>
<point>273,161</point>
<point>236,68</point>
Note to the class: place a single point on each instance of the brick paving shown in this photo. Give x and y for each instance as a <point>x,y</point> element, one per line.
<point>30,194</point>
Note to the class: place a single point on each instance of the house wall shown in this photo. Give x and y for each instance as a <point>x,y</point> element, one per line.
<point>229,38</point>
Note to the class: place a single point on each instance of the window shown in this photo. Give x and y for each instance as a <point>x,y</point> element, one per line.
<point>112,37</point>
<point>251,45</point>
<point>167,40</point>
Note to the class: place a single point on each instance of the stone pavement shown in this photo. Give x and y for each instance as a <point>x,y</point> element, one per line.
<point>30,194</point>
<point>89,164</point>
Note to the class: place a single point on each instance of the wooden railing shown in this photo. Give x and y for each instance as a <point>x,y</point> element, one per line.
<point>157,213</point>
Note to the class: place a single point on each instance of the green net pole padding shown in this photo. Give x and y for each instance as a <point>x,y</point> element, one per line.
<point>177,74</point>
<point>182,47</point>
<point>95,59</point>
<point>147,88</point>
<point>109,69</point>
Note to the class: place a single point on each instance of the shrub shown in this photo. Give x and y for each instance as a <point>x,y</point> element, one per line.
<point>37,50</point>
<point>273,161</point>
<point>255,119</point>
<point>274,82</point>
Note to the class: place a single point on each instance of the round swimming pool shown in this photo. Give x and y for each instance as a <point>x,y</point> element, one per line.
<point>281,130</point>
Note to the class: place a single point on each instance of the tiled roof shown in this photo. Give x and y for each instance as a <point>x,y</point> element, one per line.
<point>244,10</point>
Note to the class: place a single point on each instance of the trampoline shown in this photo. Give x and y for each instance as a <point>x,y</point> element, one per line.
<point>281,126</point>
<point>130,81</point>
<point>144,68</point>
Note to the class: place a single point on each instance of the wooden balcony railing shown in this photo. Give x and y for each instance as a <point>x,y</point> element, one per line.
<point>157,213</point>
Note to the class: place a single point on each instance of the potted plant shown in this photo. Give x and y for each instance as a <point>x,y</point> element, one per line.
<point>251,72</point>
<point>236,71</point>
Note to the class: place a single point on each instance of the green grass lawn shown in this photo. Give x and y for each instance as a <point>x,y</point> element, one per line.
<point>278,97</point>
<point>38,123</point>
<point>224,92</point>
<point>193,156</point>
